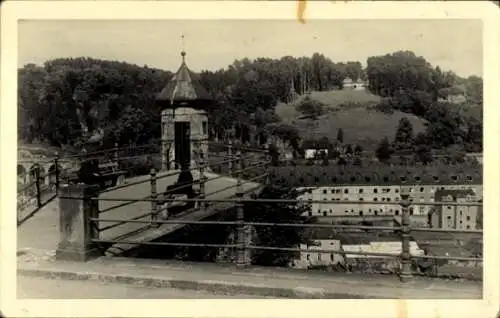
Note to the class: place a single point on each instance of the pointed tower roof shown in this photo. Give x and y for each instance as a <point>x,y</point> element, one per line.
<point>183,89</point>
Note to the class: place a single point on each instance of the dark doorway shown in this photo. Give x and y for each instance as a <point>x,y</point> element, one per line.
<point>182,144</point>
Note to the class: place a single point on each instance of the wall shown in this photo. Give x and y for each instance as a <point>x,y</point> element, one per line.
<point>199,132</point>
<point>384,193</point>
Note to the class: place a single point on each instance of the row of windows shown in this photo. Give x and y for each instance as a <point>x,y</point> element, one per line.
<point>449,218</point>
<point>308,257</point>
<point>375,190</point>
<point>360,212</point>
<point>360,199</point>
<point>403,179</point>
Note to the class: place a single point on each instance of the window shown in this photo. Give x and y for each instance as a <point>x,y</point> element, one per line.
<point>468,218</point>
<point>396,212</point>
<point>449,207</point>
<point>435,178</point>
<point>360,190</point>
<point>376,213</point>
<point>388,199</point>
<point>361,199</point>
<point>383,199</point>
<point>334,179</point>
<point>324,213</point>
<point>332,191</point>
<point>448,217</point>
<point>375,190</point>
<point>308,256</point>
<point>417,178</point>
<point>331,256</point>
<point>346,211</point>
<point>346,190</point>
<point>421,189</point>
<point>310,213</point>
<point>396,190</point>
<point>204,127</point>
<point>386,179</point>
<point>469,178</point>
<point>319,256</point>
<point>361,213</point>
<point>375,199</point>
<point>468,226</point>
<point>454,178</point>
<point>369,210</point>
<point>324,191</point>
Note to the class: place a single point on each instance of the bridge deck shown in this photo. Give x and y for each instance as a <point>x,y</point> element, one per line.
<point>42,230</point>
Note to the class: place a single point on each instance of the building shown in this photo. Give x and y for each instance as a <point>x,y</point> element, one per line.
<point>184,121</point>
<point>478,156</point>
<point>375,184</point>
<point>358,84</point>
<point>340,244</point>
<point>453,95</point>
<point>455,216</point>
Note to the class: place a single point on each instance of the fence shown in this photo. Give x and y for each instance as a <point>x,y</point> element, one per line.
<point>238,167</point>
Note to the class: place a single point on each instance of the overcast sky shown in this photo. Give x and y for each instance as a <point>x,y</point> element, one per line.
<point>212,44</point>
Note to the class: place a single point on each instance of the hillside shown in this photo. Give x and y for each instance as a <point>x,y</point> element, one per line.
<point>332,99</point>
<point>360,125</point>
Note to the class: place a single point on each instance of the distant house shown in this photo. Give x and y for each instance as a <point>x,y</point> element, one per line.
<point>455,216</point>
<point>476,155</point>
<point>314,148</point>
<point>335,248</point>
<point>349,83</point>
<point>454,95</point>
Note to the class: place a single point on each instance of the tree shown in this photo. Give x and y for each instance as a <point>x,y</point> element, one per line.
<point>349,150</point>
<point>384,150</point>
<point>403,139</point>
<point>340,135</point>
<point>423,154</point>
<point>310,108</point>
<point>358,150</point>
<point>277,236</point>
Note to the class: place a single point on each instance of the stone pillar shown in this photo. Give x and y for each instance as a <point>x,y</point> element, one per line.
<point>75,228</point>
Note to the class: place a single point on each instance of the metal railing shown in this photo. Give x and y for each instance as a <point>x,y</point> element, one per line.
<point>237,166</point>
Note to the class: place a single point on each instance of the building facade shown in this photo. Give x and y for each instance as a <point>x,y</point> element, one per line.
<point>340,184</point>
<point>455,216</point>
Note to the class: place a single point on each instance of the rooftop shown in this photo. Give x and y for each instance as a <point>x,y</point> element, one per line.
<point>440,194</point>
<point>317,175</point>
<point>184,87</point>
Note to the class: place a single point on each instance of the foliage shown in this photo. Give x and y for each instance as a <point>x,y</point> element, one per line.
<point>120,94</point>
<point>403,139</point>
<point>384,150</point>
<point>277,236</point>
<point>311,108</point>
<point>340,135</point>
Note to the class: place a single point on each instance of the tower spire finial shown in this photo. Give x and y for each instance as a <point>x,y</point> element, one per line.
<point>183,52</point>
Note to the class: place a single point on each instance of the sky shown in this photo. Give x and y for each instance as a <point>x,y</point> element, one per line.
<point>213,44</point>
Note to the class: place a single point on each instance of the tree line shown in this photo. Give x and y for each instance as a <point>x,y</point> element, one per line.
<point>122,95</point>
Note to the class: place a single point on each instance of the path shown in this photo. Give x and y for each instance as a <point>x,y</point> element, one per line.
<point>37,287</point>
<point>41,232</point>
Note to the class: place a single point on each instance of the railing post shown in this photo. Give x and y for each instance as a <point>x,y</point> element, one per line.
<point>115,153</point>
<point>57,173</point>
<point>154,196</point>
<point>38,188</point>
<point>202,204</point>
<point>405,274</point>
<point>77,230</point>
<point>241,260</point>
<point>230,156</point>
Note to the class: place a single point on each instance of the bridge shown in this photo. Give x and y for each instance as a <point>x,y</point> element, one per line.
<point>81,225</point>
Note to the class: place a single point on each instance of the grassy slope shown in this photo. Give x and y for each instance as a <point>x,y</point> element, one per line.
<point>360,125</point>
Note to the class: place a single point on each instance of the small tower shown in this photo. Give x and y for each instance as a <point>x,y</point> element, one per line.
<point>184,121</point>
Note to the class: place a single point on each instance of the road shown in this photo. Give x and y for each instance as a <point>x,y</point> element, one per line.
<point>35,287</point>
